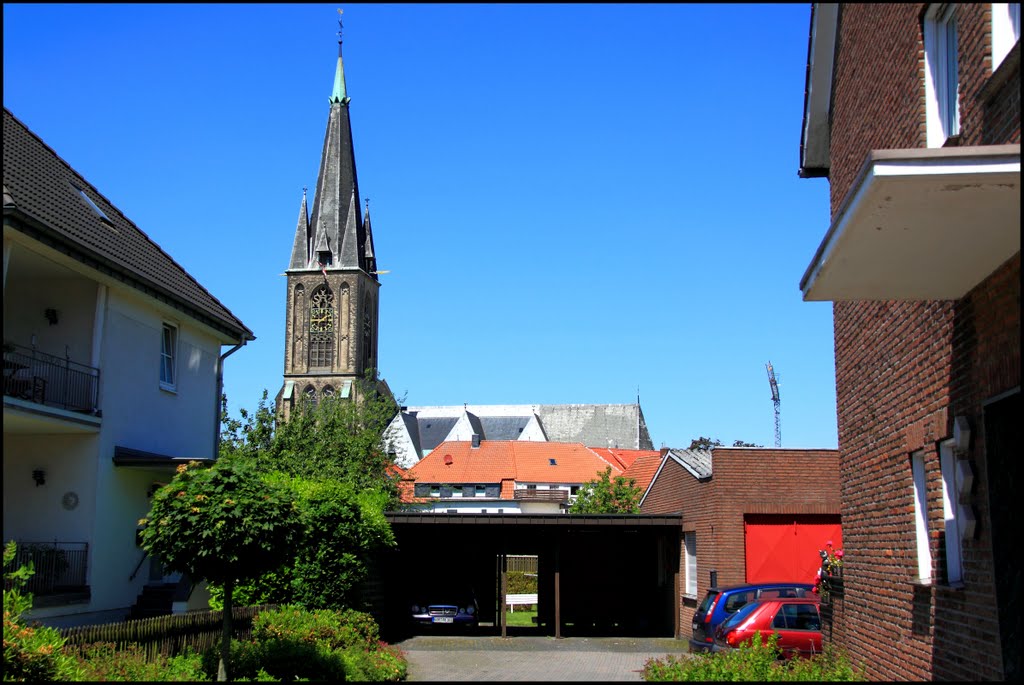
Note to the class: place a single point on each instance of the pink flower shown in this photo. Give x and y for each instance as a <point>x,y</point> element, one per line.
<point>839,553</point>
<point>828,544</point>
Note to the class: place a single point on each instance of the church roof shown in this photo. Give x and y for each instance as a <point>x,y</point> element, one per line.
<point>47,199</point>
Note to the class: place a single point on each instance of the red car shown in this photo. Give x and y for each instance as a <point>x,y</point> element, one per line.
<point>796,621</point>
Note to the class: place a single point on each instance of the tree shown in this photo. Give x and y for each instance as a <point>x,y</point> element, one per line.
<point>222,523</point>
<point>335,439</point>
<point>607,495</point>
<point>706,444</point>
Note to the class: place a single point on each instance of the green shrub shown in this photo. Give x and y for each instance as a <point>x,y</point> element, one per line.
<point>103,661</point>
<point>751,662</point>
<point>32,652</point>
<point>291,643</point>
<point>520,584</point>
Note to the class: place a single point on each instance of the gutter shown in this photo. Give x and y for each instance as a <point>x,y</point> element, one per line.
<point>220,390</point>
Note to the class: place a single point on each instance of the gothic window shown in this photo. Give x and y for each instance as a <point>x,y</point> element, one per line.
<point>321,327</point>
<point>327,392</point>
<point>310,393</point>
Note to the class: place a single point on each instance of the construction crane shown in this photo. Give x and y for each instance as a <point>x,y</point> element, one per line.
<point>776,402</point>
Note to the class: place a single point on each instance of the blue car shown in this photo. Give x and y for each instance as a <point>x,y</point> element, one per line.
<point>449,609</point>
<point>721,603</point>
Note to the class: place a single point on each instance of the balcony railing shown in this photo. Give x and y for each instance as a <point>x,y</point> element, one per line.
<point>59,566</point>
<point>47,379</point>
<point>542,495</point>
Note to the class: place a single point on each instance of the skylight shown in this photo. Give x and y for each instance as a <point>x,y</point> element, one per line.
<point>552,462</point>
<point>92,205</point>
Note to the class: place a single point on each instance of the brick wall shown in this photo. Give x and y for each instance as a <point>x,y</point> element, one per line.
<point>744,481</point>
<point>905,369</point>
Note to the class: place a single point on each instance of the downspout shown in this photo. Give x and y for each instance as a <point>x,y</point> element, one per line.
<point>216,402</point>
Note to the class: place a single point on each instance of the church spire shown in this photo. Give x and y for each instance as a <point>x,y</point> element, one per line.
<point>336,223</point>
<point>338,93</point>
<point>300,248</point>
<point>371,258</point>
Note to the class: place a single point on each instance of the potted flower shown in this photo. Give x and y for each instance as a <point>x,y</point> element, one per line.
<point>829,577</point>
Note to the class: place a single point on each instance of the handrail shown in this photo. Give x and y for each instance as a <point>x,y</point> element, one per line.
<point>138,566</point>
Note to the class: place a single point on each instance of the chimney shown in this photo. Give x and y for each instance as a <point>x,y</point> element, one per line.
<point>476,440</point>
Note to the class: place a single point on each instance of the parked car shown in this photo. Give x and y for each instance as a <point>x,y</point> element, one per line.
<point>795,620</point>
<point>450,608</point>
<point>720,603</point>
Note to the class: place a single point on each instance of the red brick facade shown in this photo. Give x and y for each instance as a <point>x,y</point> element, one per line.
<point>743,481</point>
<point>905,369</point>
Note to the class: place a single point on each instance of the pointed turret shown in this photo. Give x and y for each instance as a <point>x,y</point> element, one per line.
<point>300,248</point>
<point>336,221</point>
<point>371,257</point>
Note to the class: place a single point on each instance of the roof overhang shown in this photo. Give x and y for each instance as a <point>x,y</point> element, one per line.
<point>920,224</point>
<point>565,521</point>
<point>125,456</point>
<point>815,134</point>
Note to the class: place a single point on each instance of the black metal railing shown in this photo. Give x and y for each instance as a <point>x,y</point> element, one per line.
<point>59,566</point>
<point>47,379</point>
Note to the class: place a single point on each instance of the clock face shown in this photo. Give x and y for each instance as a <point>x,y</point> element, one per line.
<point>321,320</point>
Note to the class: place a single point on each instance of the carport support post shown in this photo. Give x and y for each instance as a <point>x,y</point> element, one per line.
<point>678,604</point>
<point>558,596</point>
<point>504,592</point>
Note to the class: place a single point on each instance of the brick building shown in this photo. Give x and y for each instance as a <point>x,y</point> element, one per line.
<point>749,514</point>
<point>912,112</point>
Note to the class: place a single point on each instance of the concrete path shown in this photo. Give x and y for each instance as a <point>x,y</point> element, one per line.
<point>443,658</point>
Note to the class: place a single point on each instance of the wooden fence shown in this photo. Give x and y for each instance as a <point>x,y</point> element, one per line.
<point>522,563</point>
<point>166,635</point>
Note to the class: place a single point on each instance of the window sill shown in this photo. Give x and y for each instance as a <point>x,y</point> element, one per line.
<point>169,388</point>
<point>958,586</point>
<point>922,582</point>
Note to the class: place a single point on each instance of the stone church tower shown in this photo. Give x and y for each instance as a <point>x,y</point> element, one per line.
<point>333,289</point>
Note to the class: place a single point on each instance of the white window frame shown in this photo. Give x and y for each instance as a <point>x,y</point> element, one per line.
<point>924,551</point>
<point>1005,30</point>
<point>168,356</point>
<point>690,554</point>
<point>941,74</point>
<point>951,514</point>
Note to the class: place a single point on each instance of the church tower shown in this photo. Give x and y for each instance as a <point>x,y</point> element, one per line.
<point>333,289</point>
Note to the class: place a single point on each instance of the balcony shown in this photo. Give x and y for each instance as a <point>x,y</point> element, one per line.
<point>49,380</point>
<point>59,571</point>
<point>524,495</point>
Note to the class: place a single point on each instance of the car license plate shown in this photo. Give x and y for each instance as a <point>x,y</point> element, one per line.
<point>443,619</point>
<point>694,625</point>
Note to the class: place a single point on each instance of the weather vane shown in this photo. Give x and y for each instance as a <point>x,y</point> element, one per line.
<point>340,25</point>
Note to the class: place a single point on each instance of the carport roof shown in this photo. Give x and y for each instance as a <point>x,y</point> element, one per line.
<point>560,520</point>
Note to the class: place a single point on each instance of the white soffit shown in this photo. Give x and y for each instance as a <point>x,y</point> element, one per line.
<point>921,224</point>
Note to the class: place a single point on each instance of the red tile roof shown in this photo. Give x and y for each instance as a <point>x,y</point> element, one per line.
<point>624,458</point>
<point>643,468</point>
<point>519,460</point>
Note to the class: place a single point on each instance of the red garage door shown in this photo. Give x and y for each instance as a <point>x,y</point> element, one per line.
<point>785,546</point>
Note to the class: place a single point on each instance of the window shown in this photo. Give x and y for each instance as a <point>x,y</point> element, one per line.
<point>168,356</point>
<point>690,549</point>
<point>951,514</point>
<point>480,491</point>
<point>942,83</point>
<point>1005,30</point>
<point>924,552</point>
<point>321,327</point>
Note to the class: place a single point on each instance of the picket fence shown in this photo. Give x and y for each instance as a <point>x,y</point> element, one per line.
<point>165,635</point>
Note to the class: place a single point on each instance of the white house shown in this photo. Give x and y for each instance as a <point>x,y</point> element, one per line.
<point>113,363</point>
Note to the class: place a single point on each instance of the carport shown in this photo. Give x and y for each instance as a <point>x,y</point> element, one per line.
<point>598,574</point>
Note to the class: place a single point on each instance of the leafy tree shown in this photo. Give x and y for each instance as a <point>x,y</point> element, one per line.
<point>706,444</point>
<point>342,530</point>
<point>607,495</point>
<point>224,524</point>
<point>335,439</point>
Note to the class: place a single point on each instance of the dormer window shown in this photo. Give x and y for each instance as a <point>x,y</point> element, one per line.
<point>552,462</point>
<point>323,258</point>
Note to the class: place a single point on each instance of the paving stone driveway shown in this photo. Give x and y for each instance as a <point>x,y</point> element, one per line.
<point>442,658</point>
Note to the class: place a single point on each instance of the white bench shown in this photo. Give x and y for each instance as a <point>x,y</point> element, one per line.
<point>513,600</point>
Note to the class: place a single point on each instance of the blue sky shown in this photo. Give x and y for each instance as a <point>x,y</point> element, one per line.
<point>576,203</point>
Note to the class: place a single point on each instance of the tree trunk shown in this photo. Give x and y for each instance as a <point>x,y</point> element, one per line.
<point>225,640</point>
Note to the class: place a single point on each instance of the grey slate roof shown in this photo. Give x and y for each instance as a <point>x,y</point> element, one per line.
<point>503,427</point>
<point>596,425</point>
<point>697,462</point>
<point>433,430</point>
<point>42,200</point>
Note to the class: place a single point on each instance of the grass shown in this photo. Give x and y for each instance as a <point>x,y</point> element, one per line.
<point>522,618</point>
